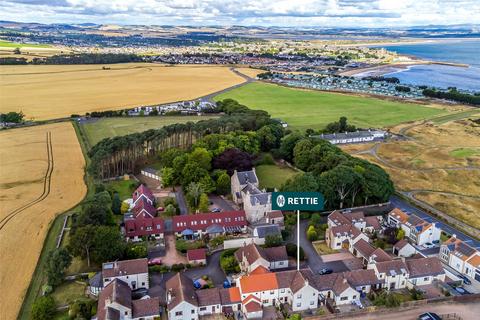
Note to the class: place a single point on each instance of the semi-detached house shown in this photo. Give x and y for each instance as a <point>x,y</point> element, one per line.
<point>133,272</point>
<point>417,230</point>
<point>461,257</point>
<point>252,256</point>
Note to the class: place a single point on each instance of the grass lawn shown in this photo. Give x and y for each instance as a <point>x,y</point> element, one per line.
<point>322,248</point>
<point>273,176</point>
<point>68,292</point>
<point>124,188</point>
<point>8,44</point>
<point>111,127</point>
<point>464,152</point>
<point>303,109</point>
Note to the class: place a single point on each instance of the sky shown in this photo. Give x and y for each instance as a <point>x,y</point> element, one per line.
<point>288,13</point>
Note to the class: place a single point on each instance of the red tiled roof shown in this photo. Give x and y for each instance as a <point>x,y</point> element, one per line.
<point>258,282</point>
<point>399,215</point>
<point>125,267</point>
<point>275,214</point>
<point>203,220</point>
<point>146,307</point>
<point>140,227</point>
<point>143,207</point>
<point>142,190</point>
<point>196,254</point>
<point>259,270</point>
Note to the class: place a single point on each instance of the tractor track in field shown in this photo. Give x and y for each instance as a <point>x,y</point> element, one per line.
<point>46,185</point>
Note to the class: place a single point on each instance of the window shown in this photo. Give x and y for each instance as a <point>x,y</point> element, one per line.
<point>178,313</point>
<point>193,311</point>
<point>203,308</point>
<point>126,312</point>
<point>272,292</point>
<point>312,303</point>
<point>299,296</point>
<point>282,290</point>
<point>343,298</point>
<point>299,304</point>
<point>425,279</point>
<point>281,263</point>
<point>354,297</point>
<point>265,301</point>
<point>143,283</point>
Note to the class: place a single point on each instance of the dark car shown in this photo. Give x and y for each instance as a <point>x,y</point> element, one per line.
<point>139,293</point>
<point>466,280</point>
<point>429,316</point>
<point>325,271</point>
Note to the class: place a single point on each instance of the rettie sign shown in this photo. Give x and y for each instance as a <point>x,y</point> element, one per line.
<point>303,201</point>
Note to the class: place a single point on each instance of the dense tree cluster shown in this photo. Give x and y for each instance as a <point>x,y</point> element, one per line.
<point>453,95</point>
<point>339,126</point>
<point>380,78</point>
<point>342,179</point>
<point>12,61</point>
<point>402,88</point>
<point>14,117</point>
<point>116,156</point>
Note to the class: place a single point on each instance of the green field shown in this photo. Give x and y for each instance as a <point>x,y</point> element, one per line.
<point>273,176</point>
<point>303,109</point>
<point>97,130</point>
<point>464,152</point>
<point>8,44</point>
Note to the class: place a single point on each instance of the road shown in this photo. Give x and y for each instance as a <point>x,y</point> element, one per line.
<point>408,208</point>
<point>221,203</point>
<point>467,311</point>
<point>210,97</point>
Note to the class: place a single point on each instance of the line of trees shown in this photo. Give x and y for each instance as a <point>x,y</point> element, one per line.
<point>453,95</point>
<point>116,156</point>
<point>78,58</point>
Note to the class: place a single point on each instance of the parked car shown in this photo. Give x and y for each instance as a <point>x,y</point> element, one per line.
<point>429,245</point>
<point>154,261</point>
<point>461,290</point>
<point>216,210</point>
<point>429,316</point>
<point>466,280</point>
<point>139,293</point>
<point>325,271</point>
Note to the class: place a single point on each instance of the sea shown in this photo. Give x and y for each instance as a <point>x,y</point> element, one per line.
<point>464,51</point>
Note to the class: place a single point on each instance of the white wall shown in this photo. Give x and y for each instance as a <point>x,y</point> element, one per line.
<point>348,296</point>
<point>186,312</point>
<point>238,243</point>
<point>304,299</point>
<point>205,310</point>
<point>279,264</point>
<point>141,280</point>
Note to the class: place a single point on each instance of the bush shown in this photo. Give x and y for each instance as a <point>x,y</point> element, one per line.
<point>292,251</point>
<point>159,269</point>
<point>273,240</point>
<point>228,263</point>
<point>312,234</point>
<point>178,267</point>
<point>217,241</point>
<point>304,215</point>
<point>136,251</point>
<point>44,308</point>
<point>285,234</point>
<point>266,159</point>
<point>183,245</point>
<point>81,309</point>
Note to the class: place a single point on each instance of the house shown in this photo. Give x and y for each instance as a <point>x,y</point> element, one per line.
<point>356,218</point>
<point>461,257</point>
<point>252,256</point>
<point>416,229</point>
<point>274,217</point>
<point>373,224</point>
<point>143,192</point>
<point>181,298</point>
<point>404,249</point>
<point>363,281</point>
<point>137,228</point>
<point>209,301</point>
<point>261,231</point>
<point>95,284</point>
<point>336,288</point>
<point>151,173</point>
<point>212,224</point>
<point>424,271</point>
<point>393,274</point>
<point>197,256</point>
<point>245,190</point>
<point>133,272</point>
<point>295,287</point>
<point>368,253</point>
<point>353,137</point>
<point>115,302</point>
<point>143,209</point>
<point>343,236</point>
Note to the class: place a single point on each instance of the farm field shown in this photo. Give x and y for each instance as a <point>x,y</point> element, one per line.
<point>57,91</point>
<point>97,130</point>
<point>273,176</point>
<point>37,183</point>
<point>440,165</point>
<point>251,72</point>
<point>303,109</point>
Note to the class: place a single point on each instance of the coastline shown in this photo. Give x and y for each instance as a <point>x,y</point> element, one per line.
<point>380,70</point>
<point>403,41</point>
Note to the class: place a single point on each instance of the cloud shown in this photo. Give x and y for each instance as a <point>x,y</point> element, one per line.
<point>339,13</point>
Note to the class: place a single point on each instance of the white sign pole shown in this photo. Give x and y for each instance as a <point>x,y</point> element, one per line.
<point>298,239</point>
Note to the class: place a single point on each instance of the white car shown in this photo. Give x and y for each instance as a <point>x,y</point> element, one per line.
<point>429,245</point>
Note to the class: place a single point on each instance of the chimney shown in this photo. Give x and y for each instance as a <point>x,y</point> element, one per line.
<point>454,236</point>
<point>169,295</point>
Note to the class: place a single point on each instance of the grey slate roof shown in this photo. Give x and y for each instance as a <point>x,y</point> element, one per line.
<point>268,229</point>
<point>247,176</point>
<point>261,198</point>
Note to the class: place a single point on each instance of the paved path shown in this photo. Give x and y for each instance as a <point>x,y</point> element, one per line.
<point>221,203</point>
<point>182,203</point>
<point>248,79</point>
<point>171,254</point>
<point>212,269</point>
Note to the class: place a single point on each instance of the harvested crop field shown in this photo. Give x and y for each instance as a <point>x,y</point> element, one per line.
<point>56,91</point>
<point>42,176</point>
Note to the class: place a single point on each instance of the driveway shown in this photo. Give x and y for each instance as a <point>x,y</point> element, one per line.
<point>219,202</point>
<point>315,262</point>
<point>172,256</point>
<point>182,204</point>
<point>212,269</point>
